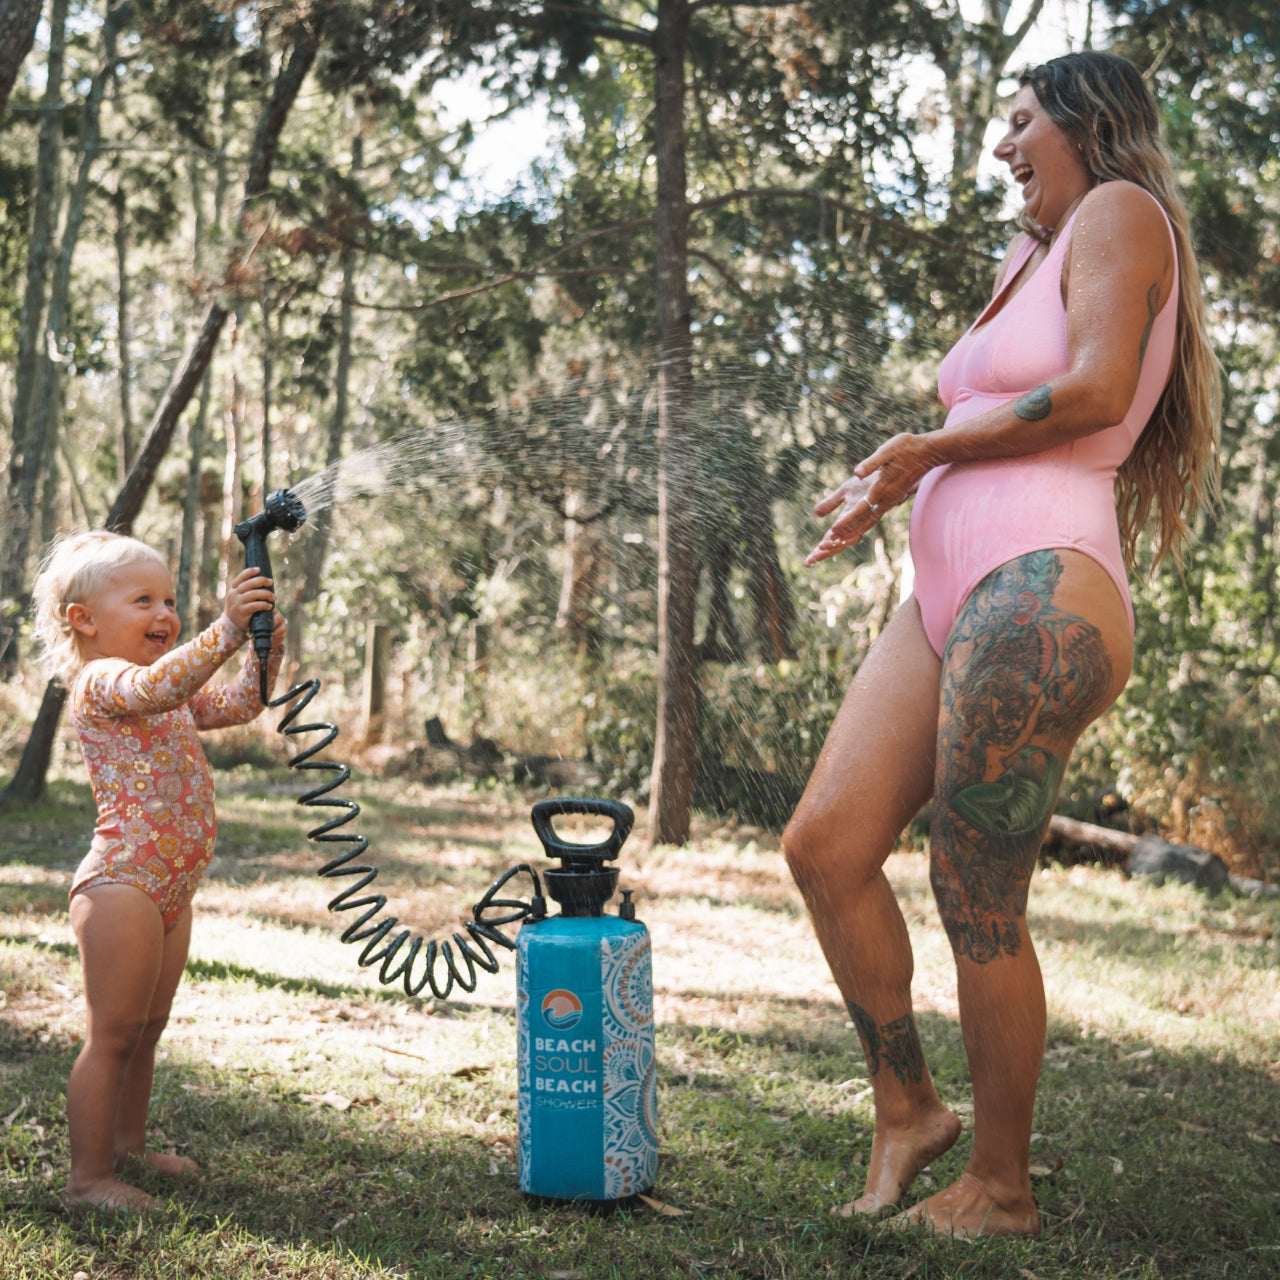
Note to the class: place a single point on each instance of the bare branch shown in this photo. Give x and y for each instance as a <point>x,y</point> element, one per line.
<point>695,5</point>
<point>1020,34</point>
<point>551,16</point>
<point>861,215</point>
<point>720,269</point>
<point>533,273</point>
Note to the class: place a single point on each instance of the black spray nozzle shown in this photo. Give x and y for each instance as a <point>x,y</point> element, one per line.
<point>282,511</point>
<point>582,884</point>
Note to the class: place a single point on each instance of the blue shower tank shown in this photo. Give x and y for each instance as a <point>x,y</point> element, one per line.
<point>587,1083</point>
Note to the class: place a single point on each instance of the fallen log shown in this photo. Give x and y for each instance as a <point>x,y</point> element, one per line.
<point>1160,860</point>
<point>1073,831</point>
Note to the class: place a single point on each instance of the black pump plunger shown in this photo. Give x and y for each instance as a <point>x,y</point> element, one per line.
<point>582,884</point>
<point>282,511</point>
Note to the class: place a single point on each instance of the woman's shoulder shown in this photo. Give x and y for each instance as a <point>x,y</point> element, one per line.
<point>1122,201</point>
<point>1120,224</point>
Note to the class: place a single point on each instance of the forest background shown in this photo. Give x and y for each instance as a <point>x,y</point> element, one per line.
<point>585,417</point>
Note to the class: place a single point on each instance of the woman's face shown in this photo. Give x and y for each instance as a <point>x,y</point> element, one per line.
<point>1043,160</point>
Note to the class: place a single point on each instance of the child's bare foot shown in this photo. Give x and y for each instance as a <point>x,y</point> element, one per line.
<point>172,1166</point>
<point>897,1156</point>
<point>969,1208</point>
<point>163,1162</point>
<point>109,1193</point>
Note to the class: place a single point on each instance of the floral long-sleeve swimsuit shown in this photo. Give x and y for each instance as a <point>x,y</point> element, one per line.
<point>151,780</point>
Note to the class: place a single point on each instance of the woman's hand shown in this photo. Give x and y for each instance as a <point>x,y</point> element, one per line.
<point>879,483</point>
<point>856,516</point>
<point>897,467</point>
<point>249,592</point>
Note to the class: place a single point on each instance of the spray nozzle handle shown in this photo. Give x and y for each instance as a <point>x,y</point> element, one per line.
<point>282,510</point>
<point>545,810</point>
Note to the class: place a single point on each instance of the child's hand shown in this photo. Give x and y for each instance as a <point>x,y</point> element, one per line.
<point>278,633</point>
<point>248,593</point>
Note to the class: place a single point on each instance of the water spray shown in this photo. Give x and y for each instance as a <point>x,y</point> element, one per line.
<point>587,1109</point>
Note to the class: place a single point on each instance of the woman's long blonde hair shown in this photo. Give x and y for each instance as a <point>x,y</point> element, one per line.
<point>1104,106</point>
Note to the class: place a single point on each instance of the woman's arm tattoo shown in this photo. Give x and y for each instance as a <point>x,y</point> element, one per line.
<point>1153,307</point>
<point>1035,404</point>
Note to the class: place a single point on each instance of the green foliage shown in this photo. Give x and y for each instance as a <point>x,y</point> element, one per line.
<point>15,194</point>
<point>770,718</point>
<point>833,257</point>
<point>618,726</point>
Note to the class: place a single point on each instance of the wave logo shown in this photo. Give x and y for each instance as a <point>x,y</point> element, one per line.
<point>561,1009</point>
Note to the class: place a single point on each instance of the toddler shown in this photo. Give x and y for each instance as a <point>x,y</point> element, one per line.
<point>105,616</point>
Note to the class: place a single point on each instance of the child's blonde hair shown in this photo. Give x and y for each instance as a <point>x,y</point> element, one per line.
<point>76,567</point>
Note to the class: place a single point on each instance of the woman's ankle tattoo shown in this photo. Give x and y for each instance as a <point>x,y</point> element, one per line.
<point>895,1044</point>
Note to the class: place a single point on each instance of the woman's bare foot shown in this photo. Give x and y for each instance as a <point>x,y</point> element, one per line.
<point>897,1156</point>
<point>110,1193</point>
<point>172,1166</point>
<point>968,1208</point>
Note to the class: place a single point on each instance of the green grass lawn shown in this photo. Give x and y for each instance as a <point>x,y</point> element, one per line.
<point>346,1131</point>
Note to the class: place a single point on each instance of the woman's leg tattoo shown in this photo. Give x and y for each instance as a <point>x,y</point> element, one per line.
<point>894,1044</point>
<point>1021,679</point>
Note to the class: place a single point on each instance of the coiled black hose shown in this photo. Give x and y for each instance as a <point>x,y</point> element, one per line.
<point>381,947</point>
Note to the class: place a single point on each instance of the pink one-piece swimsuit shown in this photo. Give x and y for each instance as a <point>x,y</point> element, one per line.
<point>969,518</point>
<point>152,783</point>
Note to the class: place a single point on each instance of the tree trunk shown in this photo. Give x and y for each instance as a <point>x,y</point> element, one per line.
<point>377,663</point>
<point>271,120</point>
<point>974,66</point>
<point>27,786</point>
<point>721,642</point>
<point>268,380</point>
<point>774,610</point>
<point>40,449</point>
<point>190,558</point>
<point>182,386</point>
<point>50,511</point>
<point>186,589</point>
<point>317,545</point>
<point>233,476</point>
<point>132,493</point>
<point>122,330</point>
<point>30,328</point>
<point>675,749</point>
<point>576,615</point>
<point>18,20</point>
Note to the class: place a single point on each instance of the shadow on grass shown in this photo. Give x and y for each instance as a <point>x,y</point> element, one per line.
<point>1166,1179</point>
<point>67,950</point>
<point>219,971</point>
<point>1139,944</point>
<point>34,897</point>
<point>243,846</point>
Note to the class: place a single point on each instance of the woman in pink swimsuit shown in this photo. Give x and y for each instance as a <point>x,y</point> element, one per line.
<point>1082,401</point>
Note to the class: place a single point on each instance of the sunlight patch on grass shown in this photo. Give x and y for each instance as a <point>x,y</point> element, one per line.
<point>1159,965</point>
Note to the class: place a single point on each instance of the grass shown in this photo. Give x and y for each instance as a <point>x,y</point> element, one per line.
<point>346,1131</point>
